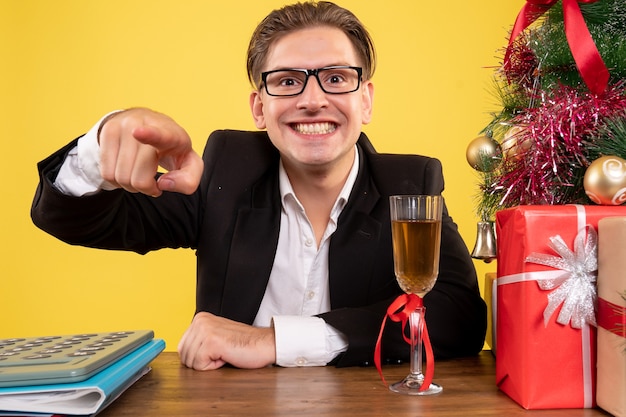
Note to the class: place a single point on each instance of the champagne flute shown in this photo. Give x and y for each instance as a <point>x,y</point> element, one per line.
<point>416,237</point>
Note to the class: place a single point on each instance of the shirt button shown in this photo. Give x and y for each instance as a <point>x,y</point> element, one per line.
<point>310,295</point>
<point>301,361</point>
<point>308,242</point>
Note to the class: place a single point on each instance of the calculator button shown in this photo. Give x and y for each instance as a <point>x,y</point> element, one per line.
<point>69,343</point>
<point>107,340</point>
<point>91,348</point>
<point>101,344</point>
<point>45,339</point>
<point>19,349</point>
<point>9,342</point>
<point>116,336</point>
<point>78,339</point>
<point>32,344</point>
<point>6,354</point>
<point>50,351</point>
<point>79,353</point>
<point>37,356</point>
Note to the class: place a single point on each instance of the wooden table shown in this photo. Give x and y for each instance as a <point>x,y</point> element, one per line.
<point>173,390</point>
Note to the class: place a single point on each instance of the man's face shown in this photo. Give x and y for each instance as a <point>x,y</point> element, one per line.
<point>314,129</point>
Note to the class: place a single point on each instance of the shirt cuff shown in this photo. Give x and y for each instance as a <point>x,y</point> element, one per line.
<point>306,341</point>
<point>80,173</point>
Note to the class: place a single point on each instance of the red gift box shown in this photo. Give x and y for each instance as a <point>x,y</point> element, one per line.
<point>542,363</point>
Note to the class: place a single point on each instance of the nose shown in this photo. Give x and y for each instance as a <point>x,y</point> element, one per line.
<point>313,97</point>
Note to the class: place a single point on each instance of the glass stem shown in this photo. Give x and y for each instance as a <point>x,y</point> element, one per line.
<point>416,322</point>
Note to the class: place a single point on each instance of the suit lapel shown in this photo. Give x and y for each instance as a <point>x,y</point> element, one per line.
<point>252,251</point>
<point>356,240</point>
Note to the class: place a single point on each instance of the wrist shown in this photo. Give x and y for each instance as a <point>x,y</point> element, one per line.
<point>268,343</point>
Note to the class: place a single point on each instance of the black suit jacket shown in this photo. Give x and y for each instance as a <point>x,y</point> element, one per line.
<point>233,219</point>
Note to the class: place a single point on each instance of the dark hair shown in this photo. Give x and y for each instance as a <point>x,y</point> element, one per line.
<point>304,15</point>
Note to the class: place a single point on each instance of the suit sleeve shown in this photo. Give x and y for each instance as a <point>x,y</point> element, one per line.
<point>112,219</point>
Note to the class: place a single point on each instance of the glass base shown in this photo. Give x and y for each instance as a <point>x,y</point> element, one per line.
<point>411,386</point>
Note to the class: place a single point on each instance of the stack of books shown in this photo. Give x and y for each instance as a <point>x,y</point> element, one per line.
<point>72,375</point>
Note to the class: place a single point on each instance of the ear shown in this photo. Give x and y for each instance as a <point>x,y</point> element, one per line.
<point>256,106</point>
<point>368,101</point>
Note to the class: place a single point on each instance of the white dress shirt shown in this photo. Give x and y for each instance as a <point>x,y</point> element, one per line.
<point>298,285</point>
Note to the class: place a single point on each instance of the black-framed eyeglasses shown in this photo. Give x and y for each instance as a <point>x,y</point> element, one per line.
<point>340,79</point>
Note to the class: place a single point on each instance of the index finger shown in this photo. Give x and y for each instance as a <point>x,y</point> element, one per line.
<point>164,138</point>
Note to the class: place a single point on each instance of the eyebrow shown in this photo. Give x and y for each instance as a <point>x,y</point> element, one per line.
<point>308,67</point>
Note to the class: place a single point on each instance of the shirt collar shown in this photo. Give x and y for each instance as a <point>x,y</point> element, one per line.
<point>287,193</point>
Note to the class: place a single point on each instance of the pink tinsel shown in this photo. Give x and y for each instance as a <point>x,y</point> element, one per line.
<point>557,131</point>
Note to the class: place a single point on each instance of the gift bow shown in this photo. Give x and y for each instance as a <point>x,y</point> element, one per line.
<point>575,288</point>
<point>592,69</point>
<point>399,311</point>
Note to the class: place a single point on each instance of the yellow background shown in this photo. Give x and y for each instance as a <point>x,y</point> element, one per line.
<point>66,63</point>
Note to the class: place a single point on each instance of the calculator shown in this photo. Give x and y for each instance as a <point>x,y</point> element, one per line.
<point>64,358</point>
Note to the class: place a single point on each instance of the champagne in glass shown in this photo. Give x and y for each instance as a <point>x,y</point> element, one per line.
<point>416,246</point>
<point>416,237</point>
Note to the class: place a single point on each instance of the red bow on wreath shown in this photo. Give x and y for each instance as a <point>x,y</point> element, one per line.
<point>592,69</point>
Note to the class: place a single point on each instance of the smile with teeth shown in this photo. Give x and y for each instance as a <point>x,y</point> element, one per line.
<point>314,128</point>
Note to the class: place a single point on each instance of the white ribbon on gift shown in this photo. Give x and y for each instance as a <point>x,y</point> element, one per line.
<point>547,279</point>
<point>575,287</point>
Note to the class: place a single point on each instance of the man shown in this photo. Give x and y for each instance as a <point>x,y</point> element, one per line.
<point>290,224</point>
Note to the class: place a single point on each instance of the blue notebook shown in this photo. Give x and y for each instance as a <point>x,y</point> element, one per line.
<point>87,397</point>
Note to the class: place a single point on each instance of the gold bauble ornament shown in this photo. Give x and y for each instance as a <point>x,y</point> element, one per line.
<point>483,153</point>
<point>515,143</point>
<point>605,181</point>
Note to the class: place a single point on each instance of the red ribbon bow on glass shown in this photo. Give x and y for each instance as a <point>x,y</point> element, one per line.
<point>588,60</point>
<point>399,311</point>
